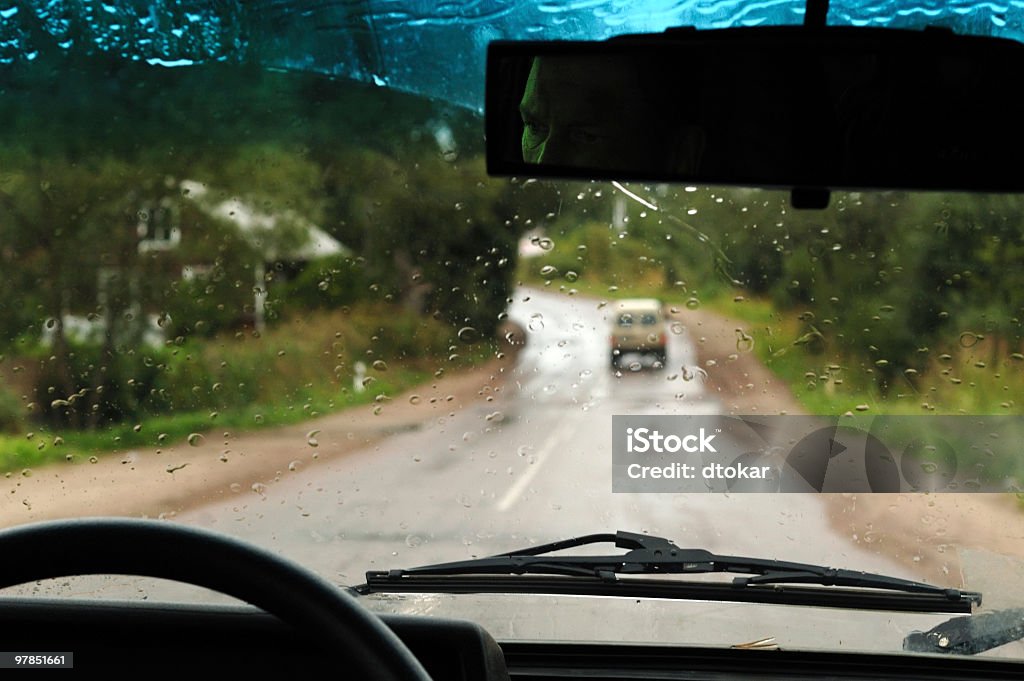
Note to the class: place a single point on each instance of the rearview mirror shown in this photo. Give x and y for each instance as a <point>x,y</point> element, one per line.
<point>779,107</point>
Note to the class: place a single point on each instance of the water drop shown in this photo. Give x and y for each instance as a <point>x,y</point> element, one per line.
<point>695,372</point>
<point>969,339</point>
<point>744,341</point>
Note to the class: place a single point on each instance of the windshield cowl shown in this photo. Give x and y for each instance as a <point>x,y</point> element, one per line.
<point>521,617</point>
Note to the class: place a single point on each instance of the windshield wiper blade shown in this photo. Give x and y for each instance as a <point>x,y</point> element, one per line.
<point>649,555</point>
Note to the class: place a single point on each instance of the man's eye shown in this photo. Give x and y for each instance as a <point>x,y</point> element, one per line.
<point>535,131</point>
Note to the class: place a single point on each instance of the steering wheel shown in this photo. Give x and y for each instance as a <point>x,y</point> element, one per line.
<point>353,637</point>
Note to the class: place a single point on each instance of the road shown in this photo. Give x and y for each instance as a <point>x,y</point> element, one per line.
<point>532,465</point>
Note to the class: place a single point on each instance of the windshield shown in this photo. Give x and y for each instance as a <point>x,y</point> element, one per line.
<point>255,278</point>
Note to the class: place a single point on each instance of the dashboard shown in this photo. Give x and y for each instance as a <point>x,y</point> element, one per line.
<point>119,638</point>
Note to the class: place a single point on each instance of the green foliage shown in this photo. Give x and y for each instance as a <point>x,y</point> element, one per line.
<point>104,386</point>
<point>11,411</point>
<point>303,367</point>
<point>129,384</point>
<point>327,283</point>
<point>21,452</point>
<point>236,371</point>
<point>652,253</point>
<point>402,336</point>
<point>880,283</point>
<point>436,236</point>
<point>242,162</point>
<point>192,310</point>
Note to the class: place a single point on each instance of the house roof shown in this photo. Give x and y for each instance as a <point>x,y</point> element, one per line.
<point>256,226</point>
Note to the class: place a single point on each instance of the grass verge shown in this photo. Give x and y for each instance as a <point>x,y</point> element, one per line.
<point>293,373</point>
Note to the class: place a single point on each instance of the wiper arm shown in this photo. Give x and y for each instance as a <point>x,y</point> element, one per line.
<point>655,555</point>
<point>969,635</point>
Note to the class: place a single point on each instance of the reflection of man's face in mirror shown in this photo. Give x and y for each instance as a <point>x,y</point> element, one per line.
<point>593,112</point>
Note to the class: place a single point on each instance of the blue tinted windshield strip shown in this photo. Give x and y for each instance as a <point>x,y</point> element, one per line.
<point>420,47</point>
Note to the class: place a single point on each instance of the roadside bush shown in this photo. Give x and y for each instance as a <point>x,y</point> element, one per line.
<point>301,353</point>
<point>11,411</point>
<point>327,283</point>
<point>205,307</point>
<point>559,263</point>
<point>397,335</point>
<point>91,387</point>
<point>96,388</point>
